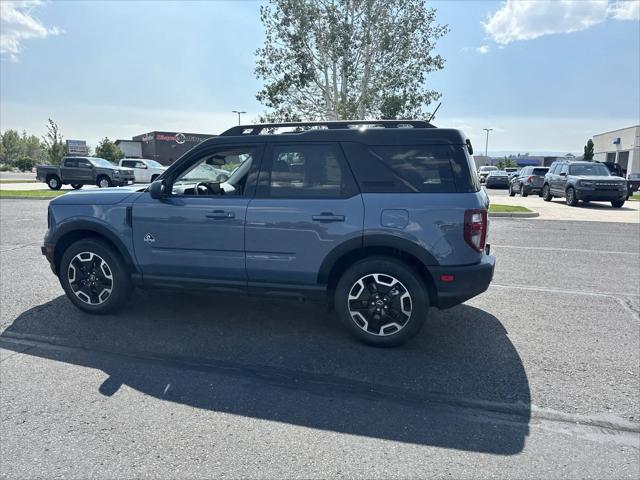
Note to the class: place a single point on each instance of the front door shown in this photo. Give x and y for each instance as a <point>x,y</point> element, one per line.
<point>307,203</point>
<point>196,232</point>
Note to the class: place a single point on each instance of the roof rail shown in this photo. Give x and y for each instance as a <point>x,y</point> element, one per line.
<point>333,125</point>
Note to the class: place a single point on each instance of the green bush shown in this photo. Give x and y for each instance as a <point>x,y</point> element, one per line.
<point>5,168</point>
<point>25,164</point>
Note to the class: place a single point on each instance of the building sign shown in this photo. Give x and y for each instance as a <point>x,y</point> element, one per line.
<point>147,137</point>
<point>77,147</point>
<point>179,138</point>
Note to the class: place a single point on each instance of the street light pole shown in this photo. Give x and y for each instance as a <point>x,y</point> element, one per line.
<point>486,145</point>
<point>239,113</point>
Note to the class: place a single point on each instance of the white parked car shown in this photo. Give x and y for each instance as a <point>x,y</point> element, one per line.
<point>145,171</point>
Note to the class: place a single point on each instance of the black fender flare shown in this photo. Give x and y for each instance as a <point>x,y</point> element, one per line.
<point>373,240</point>
<point>95,227</point>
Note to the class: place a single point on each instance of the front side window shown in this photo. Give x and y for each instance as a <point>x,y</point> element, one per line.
<point>308,170</point>
<point>564,169</point>
<point>223,172</point>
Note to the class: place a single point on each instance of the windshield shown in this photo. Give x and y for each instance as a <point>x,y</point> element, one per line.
<point>100,162</point>
<point>596,169</point>
<point>154,164</point>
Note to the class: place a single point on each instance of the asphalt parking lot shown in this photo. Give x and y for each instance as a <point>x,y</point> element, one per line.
<point>539,377</point>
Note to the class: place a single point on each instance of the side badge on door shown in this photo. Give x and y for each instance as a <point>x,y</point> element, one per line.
<point>148,238</point>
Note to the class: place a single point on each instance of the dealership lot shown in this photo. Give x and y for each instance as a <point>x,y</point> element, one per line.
<point>537,377</point>
<point>557,209</point>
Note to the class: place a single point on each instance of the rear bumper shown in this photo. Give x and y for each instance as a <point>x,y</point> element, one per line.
<point>468,281</point>
<point>533,188</point>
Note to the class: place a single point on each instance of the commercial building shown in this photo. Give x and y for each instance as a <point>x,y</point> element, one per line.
<point>619,146</point>
<point>164,147</point>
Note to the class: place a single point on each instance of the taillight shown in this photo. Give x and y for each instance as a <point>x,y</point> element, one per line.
<point>530,178</point>
<point>475,228</point>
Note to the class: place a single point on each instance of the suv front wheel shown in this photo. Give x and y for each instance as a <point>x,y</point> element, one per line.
<point>94,277</point>
<point>381,301</point>
<point>571,197</point>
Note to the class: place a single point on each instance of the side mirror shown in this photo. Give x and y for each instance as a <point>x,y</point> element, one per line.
<point>158,189</point>
<point>563,174</point>
<point>222,178</point>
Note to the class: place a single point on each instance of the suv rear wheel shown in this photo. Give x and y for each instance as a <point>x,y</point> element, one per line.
<point>571,197</point>
<point>523,191</point>
<point>546,193</point>
<point>511,192</point>
<point>617,203</point>
<point>94,277</point>
<point>381,301</point>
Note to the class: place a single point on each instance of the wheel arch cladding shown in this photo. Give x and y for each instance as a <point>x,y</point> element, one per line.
<point>84,230</point>
<point>345,255</point>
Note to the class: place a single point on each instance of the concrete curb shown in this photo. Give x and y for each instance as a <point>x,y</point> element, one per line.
<point>514,214</point>
<point>15,197</point>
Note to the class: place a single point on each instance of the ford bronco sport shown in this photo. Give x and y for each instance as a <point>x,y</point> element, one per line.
<point>381,219</point>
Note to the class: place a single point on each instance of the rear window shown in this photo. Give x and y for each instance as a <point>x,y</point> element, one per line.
<point>540,171</point>
<point>410,168</point>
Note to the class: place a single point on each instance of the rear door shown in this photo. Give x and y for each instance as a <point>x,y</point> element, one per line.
<point>69,169</point>
<point>307,203</point>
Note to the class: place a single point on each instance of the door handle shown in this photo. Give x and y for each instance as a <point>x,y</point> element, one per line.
<point>327,217</point>
<point>220,215</point>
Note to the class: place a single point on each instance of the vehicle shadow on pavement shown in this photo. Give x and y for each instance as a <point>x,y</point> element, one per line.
<point>595,206</point>
<point>459,384</point>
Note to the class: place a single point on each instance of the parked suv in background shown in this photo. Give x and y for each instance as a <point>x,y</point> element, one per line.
<point>381,219</point>
<point>145,171</point>
<point>484,171</point>
<point>528,180</point>
<point>584,181</point>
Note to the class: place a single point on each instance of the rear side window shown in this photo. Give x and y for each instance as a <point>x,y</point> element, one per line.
<point>309,171</point>
<point>411,168</point>
<point>540,171</point>
<point>70,162</point>
<point>129,164</point>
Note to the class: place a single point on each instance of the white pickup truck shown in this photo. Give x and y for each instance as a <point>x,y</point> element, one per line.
<point>145,171</point>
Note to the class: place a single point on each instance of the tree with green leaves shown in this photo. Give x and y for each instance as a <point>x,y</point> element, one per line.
<point>54,145</point>
<point>12,147</point>
<point>588,151</point>
<point>108,150</point>
<point>347,59</point>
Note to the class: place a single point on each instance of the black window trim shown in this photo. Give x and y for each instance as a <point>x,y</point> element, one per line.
<point>263,188</point>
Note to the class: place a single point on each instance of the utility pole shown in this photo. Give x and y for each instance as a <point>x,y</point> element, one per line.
<point>486,145</point>
<point>239,113</point>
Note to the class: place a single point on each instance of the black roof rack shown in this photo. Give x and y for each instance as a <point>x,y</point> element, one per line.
<point>333,125</point>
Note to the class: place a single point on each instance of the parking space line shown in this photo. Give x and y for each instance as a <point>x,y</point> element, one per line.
<point>618,297</point>
<point>579,250</point>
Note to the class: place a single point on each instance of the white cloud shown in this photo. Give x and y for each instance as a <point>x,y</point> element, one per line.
<point>625,10</point>
<point>483,49</point>
<point>17,23</point>
<point>529,19</point>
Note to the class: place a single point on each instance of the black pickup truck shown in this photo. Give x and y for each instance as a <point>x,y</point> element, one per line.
<point>79,171</point>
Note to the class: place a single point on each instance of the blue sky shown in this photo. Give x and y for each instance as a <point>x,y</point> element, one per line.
<point>544,75</point>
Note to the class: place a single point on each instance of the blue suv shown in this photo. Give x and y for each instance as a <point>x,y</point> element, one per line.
<point>380,219</point>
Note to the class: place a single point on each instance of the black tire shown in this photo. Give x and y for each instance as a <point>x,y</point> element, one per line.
<point>103,181</point>
<point>120,283</point>
<point>523,191</point>
<point>76,186</point>
<point>617,203</point>
<point>54,183</point>
<point>571,197</point>
<point>511,192</point>
<point>394,305</point>
<point>546,193</point>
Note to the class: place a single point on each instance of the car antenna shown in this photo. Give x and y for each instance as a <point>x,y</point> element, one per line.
<point>434,113</point>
